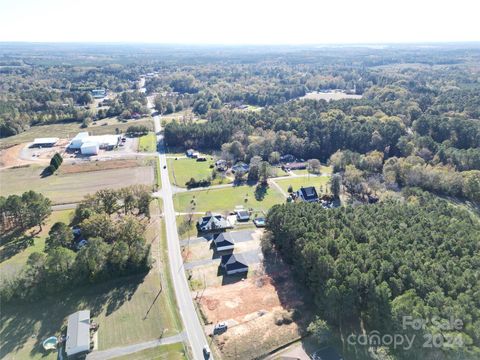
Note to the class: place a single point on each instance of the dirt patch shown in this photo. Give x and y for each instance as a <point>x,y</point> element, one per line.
<point>237,342</point>
<point>237,301</point>
<point>11,156</point>
<point>97,166</point>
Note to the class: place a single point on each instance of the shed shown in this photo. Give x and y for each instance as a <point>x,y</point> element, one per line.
<point>44,142</point>
<point>78,333</point>
<point>243,215</point>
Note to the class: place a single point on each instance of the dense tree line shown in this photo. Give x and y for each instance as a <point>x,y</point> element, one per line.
<point>112,222</point>
<point>21,212</point>
<point>376,263</point>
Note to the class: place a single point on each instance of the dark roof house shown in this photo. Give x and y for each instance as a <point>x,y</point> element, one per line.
<point>240,167</point>
<point>213,222</point>
<point>233,263</point>
<point>308,194</point>
<point>224,241</point>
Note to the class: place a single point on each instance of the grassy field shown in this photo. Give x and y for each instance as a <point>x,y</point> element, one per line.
<point>164,352</point>
<point>182,170</point>
<point>70,129</point>
<point>71,187</point>
<point>298,182</point>
<point>226,199</point>
<point>148,143</point>
<point>323,170</point>
<point>14,254</point>
<point>129,310</point>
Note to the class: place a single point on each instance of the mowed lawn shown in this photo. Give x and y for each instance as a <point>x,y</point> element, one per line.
<point>70,129</point>
<point>164,352</point>
<point>71,187</point>
<point>183,169</point>
<point>298,182</point>
<point>323,170</point>
<point>148,143</point>
<point>226,199</point>
<point>15,252</point>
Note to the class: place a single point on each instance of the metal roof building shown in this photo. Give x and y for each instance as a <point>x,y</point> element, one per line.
<point>78,333</point>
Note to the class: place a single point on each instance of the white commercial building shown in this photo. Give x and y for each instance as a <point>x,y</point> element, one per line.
<point>44,142</point>
<point>78,333</point>
<point>90,144</point>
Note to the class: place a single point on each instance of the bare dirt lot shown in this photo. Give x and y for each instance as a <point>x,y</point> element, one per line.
<point>86,166</point>
<point>267,308</point>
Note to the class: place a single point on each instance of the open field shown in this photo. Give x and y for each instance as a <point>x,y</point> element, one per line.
<point>71,187</point>
<point>323,170</point>
<point>15,252</point>
<point>129,310</point>
<point>226,199</point>
<point>330,95</point>
<point>148,143</point>
<point>70,129</point>
<point>298,182</point>
<point>163,352</point>
<point>88,166</point>
<point>183,169</point>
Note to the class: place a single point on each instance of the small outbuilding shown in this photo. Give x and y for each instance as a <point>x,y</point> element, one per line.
<point>224,242</point>
<point>243,215</point>
<point>233,264</point>
<point>44,142</point>
<point>78,333</point>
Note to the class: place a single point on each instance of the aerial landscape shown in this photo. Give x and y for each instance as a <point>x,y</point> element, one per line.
<point>255,195</point>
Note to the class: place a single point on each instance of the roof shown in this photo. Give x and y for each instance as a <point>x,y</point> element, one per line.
<point>308,193</point>
<point>78,332</point>
<point>224,239</point>
<point>233,262</point>
<point>51,140</point>
<point>213,222</point>
<point>297,165</point>
<point>243,214</point>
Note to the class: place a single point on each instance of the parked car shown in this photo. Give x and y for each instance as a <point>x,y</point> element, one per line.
<point>259,222</point>
<point>220,327</point>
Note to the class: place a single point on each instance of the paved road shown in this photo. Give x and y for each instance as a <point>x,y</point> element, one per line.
<point>130,349</point>
<point>194,330</point>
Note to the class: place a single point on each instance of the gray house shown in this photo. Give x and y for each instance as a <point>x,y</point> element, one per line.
<point>78,333</point>
<point>307,194</point>
<point>213,223</point>
<point>233,264</point>
<point>224,241</point>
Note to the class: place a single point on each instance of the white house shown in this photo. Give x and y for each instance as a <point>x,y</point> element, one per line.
<point>78,333</point>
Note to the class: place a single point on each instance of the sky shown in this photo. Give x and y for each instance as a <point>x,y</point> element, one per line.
<point>240,22</point>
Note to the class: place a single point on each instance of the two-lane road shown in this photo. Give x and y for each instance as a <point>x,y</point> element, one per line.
<point>195,334</point>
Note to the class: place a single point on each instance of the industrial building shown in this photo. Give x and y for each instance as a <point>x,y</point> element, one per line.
<point>91,144</point>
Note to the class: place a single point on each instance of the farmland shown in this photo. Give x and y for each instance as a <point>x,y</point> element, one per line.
<point>225,199</point>
<point>71,187</point>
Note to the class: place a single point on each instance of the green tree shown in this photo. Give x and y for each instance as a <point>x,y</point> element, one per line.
<point>60,235</point>
<point>335,185</point>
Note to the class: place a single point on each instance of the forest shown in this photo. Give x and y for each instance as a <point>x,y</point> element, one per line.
<point>374,264</point>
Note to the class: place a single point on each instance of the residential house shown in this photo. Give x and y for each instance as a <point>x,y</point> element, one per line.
<point>307,194</point>
<point>78,333</point>
<point>224,241</point>
<point>233,264</point>
<point>243,215</point>
<point>240,166</point>
<point>213,223</point>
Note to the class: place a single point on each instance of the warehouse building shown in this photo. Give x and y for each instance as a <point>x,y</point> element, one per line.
<point>44,142</point>
<point>91,144</point>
